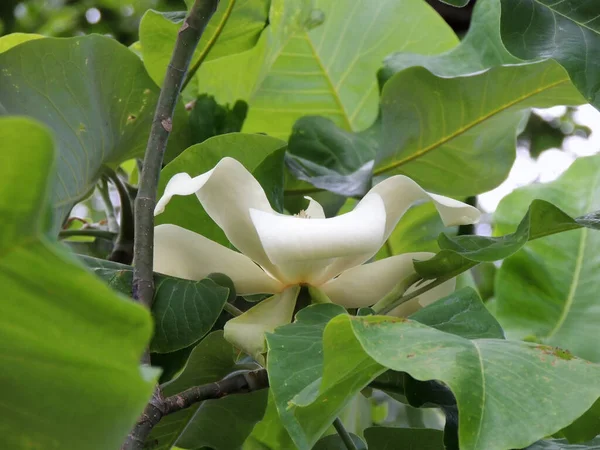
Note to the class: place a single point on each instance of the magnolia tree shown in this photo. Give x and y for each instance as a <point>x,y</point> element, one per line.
<point>292,261</point>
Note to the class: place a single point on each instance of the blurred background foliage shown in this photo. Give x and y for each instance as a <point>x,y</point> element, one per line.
<point>62,18</point>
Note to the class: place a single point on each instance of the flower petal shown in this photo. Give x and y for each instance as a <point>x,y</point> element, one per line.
<point>314,210</point>
<point>182,253</point>
<point>247,332</point>
<point>227,193</point>
<point>301,248</point>
<point>400,192</point>
<point>365,285</point>
<point>413,305</point>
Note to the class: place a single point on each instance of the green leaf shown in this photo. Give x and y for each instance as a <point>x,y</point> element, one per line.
<point>97,98</point>
<point>10,40</point>
<point>460,253</point>
<point>236,26</point>
<point>239,412</point>
<point>269,433</point>
<point>322,61</point>
<point>586,427</point>
<point>294,362</point>
<point>548,291</point>
<point>183,310</point>
<point>334,442</point>
<point>382,438</point>
<point>461,313</point>
<point>210,361</point>
<point>71,346</point>
<point>567,31</point>
<point>208,118</point>
<point>456,136</point>
<point>485,376</point>
<point>480,49</point>
<point>249,149</point>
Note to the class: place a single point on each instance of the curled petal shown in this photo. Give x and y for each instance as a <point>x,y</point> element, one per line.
<point>314,210</point>
<point>247,332</point>
<point>184,254</point>
<point>400,192</point>
<point>365,285</point>
<point>227,193</point>
<point>301,248</point>
<point>427,298</point>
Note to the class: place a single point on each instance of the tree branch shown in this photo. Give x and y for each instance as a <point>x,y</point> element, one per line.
<point>158,407</point>
<point>344,435</point>
<point>187,40</point>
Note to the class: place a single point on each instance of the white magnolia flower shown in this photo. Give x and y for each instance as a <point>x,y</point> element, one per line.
<point>279,253</point>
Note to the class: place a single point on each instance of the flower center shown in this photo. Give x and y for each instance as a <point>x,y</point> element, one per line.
<point>302,215</point>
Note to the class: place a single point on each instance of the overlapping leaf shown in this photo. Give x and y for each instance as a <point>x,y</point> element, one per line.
<point>71,347</point>
<point>235,27</point>
<point>567,30</point>
<point>183,310</point>
<point>548,291</point>
<point>97,98</point>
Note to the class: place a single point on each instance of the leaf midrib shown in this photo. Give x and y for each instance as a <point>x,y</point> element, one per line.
<point>465,128</point>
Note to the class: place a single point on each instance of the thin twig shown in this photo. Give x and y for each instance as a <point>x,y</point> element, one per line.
<point>396,293</point>
<point>123,249</point>
<point>235,312</point>
<point>87,232</point>
<point>187,40</point>
<point>344,435</point>
<point>210,44</point>
<point>111,217</point>
<point>158,407</point>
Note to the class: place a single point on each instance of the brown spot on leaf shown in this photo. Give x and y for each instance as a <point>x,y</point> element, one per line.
<point>131,118</point>
<point>410,355</point>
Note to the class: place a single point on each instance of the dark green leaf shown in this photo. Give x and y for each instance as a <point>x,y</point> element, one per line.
<point>567,31</point>
<point>224,424</point>
<point>210,361</point>
<point>563,444</point>
<point>95,95</point>
<point>183,310</point>
<point>334,442</point>
<point>71,377</point>
<point>382,438</point>
<point>208,118</point>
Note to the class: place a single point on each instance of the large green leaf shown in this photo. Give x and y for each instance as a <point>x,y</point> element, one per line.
<point>252,150</point>
<point>236,26</point>
<point>183,310</point>
<point>97,98</point>
<point>460,253</point>
<point>210,361</point>
<point>548,291</point>
<point>323,61</point>
<point>562,444</point>
<point>70,346</point>
<point>456,136</point>
<point>485,376</point>
<point>568,31</point>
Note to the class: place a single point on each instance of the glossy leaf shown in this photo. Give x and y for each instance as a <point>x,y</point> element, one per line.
<point>251,150</point>
<point>236,26</point>
<point>459,253</point>
<point>548,291</point>
<point>10,40</point>
<point>563,444</point>
<point>383,438</point>
<point>567,31</point>
<point>312,60</point>
<point>71,346</point>
<point>463,129</point>
<point>183,310</point>
<point>97,98</point>
<point>210,361</point>
<point>485,376</point>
